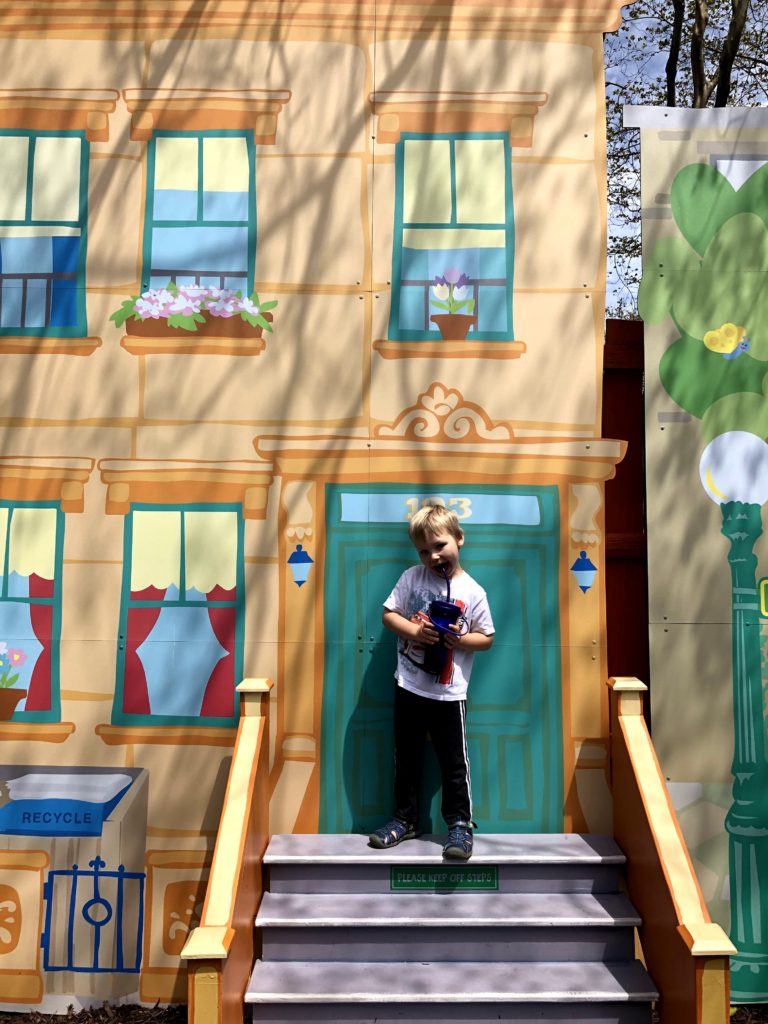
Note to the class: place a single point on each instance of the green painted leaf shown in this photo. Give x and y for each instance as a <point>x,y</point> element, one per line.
<point>663,275</point>
<point>702,201</point>
<point>124,312</point>
<point>737,412</point>
<point>728,286</point>
<point>696,378</point>
<point>186,323</point>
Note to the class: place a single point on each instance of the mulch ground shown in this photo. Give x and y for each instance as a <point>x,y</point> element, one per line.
<point>178,1015</point>
<point>104,1015</point>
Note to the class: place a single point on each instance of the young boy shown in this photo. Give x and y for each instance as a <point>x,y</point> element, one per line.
<point>429,701</point>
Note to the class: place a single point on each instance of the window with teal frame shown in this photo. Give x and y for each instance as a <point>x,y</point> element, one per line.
<point>200,227</point>
<point>31,547</point>
<point>180,645</point>
<point>454,234</point>
<point>43,218</point>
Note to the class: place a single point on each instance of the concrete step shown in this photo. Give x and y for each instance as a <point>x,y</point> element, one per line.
<point>419,1013</point>
<point>557,862</point>
<point>468,991</point>
<point>429,926</point>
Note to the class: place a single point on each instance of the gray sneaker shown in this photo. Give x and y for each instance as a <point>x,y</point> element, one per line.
<point>459,843</point>
<point>391,834</point>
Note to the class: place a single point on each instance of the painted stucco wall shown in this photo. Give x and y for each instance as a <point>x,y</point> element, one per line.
<point>111,428</point>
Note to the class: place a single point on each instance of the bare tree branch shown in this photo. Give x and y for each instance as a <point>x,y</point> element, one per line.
<point>729,50</point>
<point>674,51</point>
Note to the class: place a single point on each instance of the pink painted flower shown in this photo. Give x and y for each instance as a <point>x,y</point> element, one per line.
<point>16,656</point>
<point>452,275</point>
<point>247,306</point>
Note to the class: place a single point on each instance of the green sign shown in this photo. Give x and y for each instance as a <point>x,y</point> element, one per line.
<point>486,878</point>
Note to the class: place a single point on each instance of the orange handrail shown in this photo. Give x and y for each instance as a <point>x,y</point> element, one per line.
<point>220,951</point>
<point>686,953</point>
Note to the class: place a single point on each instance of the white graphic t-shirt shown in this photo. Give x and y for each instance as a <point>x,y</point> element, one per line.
<point>411,597</point>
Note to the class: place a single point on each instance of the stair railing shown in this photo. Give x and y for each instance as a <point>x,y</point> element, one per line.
<point>686,953</point>
<point>220,952</point>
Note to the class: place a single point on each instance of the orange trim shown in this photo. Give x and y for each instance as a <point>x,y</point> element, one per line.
<point>450,349</point>
<point>127,735</point>
<point>32,346</point>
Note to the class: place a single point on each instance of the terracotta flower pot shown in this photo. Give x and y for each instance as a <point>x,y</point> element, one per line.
<point>214,327</point>
<point>454,326</point>
<point>9,698</point>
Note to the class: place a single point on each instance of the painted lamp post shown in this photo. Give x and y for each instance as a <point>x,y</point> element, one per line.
<point>734,473</point>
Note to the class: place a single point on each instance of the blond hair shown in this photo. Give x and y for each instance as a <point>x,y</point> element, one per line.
<point>431,519</point>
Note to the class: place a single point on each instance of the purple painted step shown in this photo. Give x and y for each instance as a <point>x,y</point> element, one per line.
<point>557,862</point>
<point>471,991</point>
<point>434,926</point>
<point>533,929</point>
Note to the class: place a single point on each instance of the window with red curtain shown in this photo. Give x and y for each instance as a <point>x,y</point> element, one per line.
<point>31,543</point>
<point>180,637</point>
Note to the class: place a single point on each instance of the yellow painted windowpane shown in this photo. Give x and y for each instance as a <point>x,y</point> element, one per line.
<point>480,181</point>
<point>176,163</point>
<point>33,542</point>
<point>225,165</point>
<point>14,152</point>
<point>427,182</point>
<point>452,238</point>
<point>156,555</point>
<point>211,550</point>
<point>3,537</point>
<point>56,178</point>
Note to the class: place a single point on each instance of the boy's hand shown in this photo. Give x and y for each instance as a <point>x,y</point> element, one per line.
<point>452,639</point>
<point>426,634</point>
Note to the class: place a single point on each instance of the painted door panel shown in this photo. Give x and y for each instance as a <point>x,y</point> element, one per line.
<point>513,721</point>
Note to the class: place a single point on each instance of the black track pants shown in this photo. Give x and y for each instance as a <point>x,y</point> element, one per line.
<point>445,721</point>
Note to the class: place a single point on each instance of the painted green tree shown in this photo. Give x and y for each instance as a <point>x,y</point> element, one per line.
<point>710,279</point>
<point>712,274</point>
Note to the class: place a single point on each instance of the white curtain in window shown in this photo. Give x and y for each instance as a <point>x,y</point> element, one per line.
<point>32,540</point>
<point>210,550</point>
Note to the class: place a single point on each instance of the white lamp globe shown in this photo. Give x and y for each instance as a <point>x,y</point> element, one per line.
<point>734,467</point>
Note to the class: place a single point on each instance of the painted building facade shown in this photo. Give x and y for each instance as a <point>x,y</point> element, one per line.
<point>180,509</point>
<point>705,256</point>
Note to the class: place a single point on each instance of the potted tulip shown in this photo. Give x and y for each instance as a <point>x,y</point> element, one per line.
<point>451,293</point>
<point>210,312</point>
<point>11,658</point>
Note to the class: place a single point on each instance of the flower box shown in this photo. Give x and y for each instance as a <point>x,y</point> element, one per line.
<point>213,327</point>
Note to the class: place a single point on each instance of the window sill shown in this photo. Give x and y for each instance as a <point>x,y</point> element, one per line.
<point>450,349</point>
<point>172,735</point>
<point>36,732</point>
<point>37,346</point>
<point>193,346</point>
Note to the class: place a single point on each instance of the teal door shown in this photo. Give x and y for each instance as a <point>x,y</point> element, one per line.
<point>514,707</point>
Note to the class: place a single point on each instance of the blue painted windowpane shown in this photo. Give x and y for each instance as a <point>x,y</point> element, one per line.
<point>493,263</point>
<point>492,309</point>
<point>66,252</point>
<point>174,204</point>
<point>414,265</point>
<point>64,304</point>
<point>188,249</point>
<point>225,206</point>
<point>36,304</point>
<point>412,308</point>
<point>27,255</point>
<point>10,314</point>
